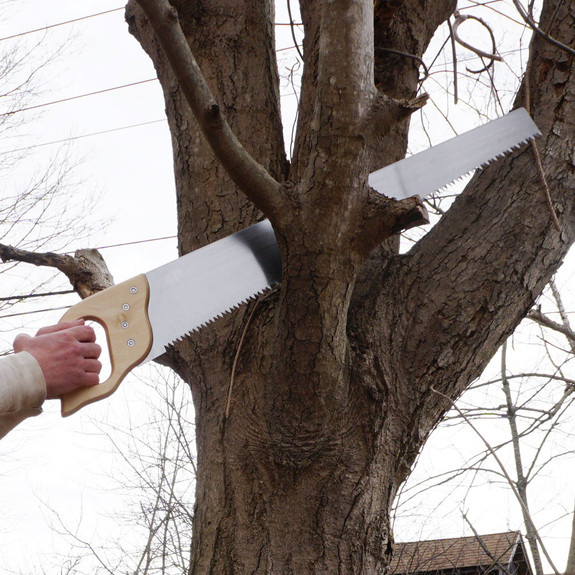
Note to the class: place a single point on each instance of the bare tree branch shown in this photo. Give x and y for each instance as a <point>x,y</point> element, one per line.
<point>86,270</point>
<point>533,25</point>
<point>570,568</point>
<point>249,175</point>
<point>491,56</point>
<point>521,483</point>
<point>507,476</point>
<point>543,320</point>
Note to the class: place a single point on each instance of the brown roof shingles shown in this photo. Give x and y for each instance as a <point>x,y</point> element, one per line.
<point>457,553</point>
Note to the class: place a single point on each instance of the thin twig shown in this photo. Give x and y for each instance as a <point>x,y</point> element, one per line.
<point>562,313</point>
<point>504,471</point>
<point>236,358</point>
<point>543,320</point>
<point>535,147</point>
<point>407,55</point>
<point>546,190</point>
<point>454,57</point>
<point>459,19</point>
<point>496,562</point>
<point>292,28</point>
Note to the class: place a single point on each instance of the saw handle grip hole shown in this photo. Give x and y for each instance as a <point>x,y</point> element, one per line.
<point>119,312</point>
<point>105,357</point>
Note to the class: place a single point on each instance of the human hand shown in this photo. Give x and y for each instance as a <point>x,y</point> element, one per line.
<point>67,354</point>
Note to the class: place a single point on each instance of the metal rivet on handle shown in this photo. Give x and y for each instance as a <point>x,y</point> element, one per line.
<point>131,343</point>
<point>133,289</point>
<point>126,306</point>
<point>124,324</point>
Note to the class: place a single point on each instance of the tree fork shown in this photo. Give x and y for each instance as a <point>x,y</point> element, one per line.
<point>263,505</point>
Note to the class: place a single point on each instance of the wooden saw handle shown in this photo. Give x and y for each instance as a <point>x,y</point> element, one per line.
<point>122,311</point>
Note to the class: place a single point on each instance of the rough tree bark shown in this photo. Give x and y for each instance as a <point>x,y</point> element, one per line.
<point>333,394</point>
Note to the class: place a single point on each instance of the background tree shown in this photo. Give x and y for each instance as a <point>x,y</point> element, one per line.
<point>38,209</point>
<point>526,412</point>
<point>156,479</point>
<point>334,391</point>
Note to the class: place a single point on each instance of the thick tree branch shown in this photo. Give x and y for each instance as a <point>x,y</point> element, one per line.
<point>86,270</point>
<point>345,68</point>
<point>248,175</point>
<point>440,312</point>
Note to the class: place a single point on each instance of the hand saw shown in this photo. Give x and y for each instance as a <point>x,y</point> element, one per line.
<point>144,315</point>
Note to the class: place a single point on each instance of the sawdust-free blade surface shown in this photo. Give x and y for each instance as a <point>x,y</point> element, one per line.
<point>438,166</point>
<point>203,285</point>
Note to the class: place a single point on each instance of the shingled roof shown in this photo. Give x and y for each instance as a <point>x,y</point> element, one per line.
<point>498,551</point>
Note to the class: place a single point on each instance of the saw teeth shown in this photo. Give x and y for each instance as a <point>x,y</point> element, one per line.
<point>218,316</point>
<point>487,163</point>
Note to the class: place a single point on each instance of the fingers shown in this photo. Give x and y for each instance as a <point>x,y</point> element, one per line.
<point>83,333</point>
<point>78,373</point>
<point>89,379</point>
<point>77,328</point>
<point>60,326</point>
<point>92,366</point>
<point>91,350</point>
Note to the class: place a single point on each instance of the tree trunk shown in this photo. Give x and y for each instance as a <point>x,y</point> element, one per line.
<point>521,481</point>
<point>333,392</point>
<point>570,568</point>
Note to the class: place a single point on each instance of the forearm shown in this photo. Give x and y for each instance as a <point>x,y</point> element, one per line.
<point>22,390</point>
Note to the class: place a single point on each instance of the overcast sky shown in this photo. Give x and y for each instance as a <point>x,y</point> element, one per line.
<point>119,142</point>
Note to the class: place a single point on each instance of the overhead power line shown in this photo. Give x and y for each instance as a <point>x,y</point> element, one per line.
<point>74,20</point>
<point>78,96</point>
<point>20,34</point>
<point>91,134</point>
<point>73,138</point>
<point>34,311</point>
<point>135,242</point>
<point>33,295</point>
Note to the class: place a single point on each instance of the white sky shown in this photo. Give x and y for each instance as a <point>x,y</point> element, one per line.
<point>66,465</point>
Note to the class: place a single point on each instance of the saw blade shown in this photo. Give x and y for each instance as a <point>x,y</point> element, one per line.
<point>435,168</point>
<point>204,285</point>
<point>152,311</point>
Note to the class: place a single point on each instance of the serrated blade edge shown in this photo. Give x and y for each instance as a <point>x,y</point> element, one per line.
<point>200,287</point>
<point>438,166</point>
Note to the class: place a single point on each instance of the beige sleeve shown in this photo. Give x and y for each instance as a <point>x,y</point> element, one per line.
<point>22,390</point>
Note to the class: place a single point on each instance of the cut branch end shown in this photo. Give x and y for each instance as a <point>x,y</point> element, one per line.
<point>415,216</point>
